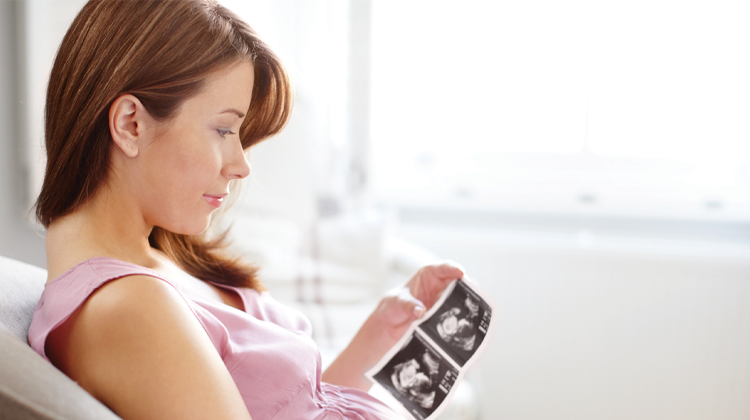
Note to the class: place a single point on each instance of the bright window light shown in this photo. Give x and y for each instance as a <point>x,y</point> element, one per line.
<point>629,108</point>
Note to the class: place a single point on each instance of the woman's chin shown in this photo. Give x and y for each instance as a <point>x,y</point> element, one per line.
<point>198,230</point>
<point>191,229</point>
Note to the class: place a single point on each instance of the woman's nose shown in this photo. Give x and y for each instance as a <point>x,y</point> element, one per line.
<point>236,166</point>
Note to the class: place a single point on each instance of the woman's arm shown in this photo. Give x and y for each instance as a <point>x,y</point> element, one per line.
<point>137,347</point>
<point>388,323</point>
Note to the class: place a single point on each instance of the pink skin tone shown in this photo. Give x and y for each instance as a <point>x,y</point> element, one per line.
<point>185,168</point>
<point>173,174</point>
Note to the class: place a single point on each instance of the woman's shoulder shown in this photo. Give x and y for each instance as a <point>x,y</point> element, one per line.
<point>132,301</point>
<point>140,331</point>
<point>90,282</point>
<point>133,306</point>
<point>131,292</point>
<point>97,269</point>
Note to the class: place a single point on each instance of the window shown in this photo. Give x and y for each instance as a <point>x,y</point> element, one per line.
<point>635,108</point>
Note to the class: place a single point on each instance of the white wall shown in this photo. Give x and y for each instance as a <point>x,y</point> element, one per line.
<point>596,325</point>
<point>17,237</point>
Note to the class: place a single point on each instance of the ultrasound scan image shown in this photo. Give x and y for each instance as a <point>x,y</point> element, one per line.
<point>460,324</point>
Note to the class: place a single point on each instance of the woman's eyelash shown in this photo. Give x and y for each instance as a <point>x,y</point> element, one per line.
<point>225,132</point>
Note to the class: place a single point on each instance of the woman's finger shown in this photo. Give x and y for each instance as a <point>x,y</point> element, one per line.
<point>399,310</point>
<point>409,304</point>
<point>448,270</point>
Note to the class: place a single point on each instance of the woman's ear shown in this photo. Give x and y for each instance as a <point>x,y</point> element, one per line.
<point>127,123</point>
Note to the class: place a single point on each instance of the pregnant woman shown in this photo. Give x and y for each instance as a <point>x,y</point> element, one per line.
<point>151,108</point>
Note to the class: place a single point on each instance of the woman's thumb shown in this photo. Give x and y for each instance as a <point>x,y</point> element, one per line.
<point>411,304</point>
<point>417,310</point>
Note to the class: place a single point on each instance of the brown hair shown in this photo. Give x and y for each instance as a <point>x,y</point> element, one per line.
<point>161,52</point>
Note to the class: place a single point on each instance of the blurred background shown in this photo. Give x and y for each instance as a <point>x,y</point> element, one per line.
<point>587,162</point>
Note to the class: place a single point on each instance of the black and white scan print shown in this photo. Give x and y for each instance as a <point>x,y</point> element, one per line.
<point>418,377</point>
<point>460,324</point>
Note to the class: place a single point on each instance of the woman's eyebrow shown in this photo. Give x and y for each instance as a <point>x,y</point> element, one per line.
<point>232,110</point>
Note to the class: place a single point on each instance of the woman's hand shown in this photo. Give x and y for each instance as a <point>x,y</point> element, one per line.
<point>402,306</point>
<point>388,323</point>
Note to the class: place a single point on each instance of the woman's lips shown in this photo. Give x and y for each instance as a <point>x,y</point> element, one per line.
<point>214,200</point>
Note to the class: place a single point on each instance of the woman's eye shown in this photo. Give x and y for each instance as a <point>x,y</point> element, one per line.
<point>224,133</point>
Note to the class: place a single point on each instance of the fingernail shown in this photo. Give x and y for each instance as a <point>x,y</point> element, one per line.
<point>418,311</point>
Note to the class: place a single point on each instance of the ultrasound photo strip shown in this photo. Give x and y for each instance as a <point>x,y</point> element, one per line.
<point>420,373</point>
<point>418,376</point>
<point>460,323</point>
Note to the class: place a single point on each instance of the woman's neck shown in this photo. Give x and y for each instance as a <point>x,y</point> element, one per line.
<point>105,226</point>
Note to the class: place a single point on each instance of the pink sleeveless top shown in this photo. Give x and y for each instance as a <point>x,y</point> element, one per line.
<point>267,349</point>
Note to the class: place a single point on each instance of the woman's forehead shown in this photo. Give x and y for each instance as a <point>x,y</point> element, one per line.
<point>227,92</point>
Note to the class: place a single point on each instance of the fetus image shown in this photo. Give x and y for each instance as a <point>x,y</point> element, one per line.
<point>457,326</point>
<point>416,379</point>
<point>460,324</point>
<point>418,376</point>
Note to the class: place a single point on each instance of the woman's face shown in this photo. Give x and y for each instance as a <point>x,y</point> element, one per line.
<point>191,159</point>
